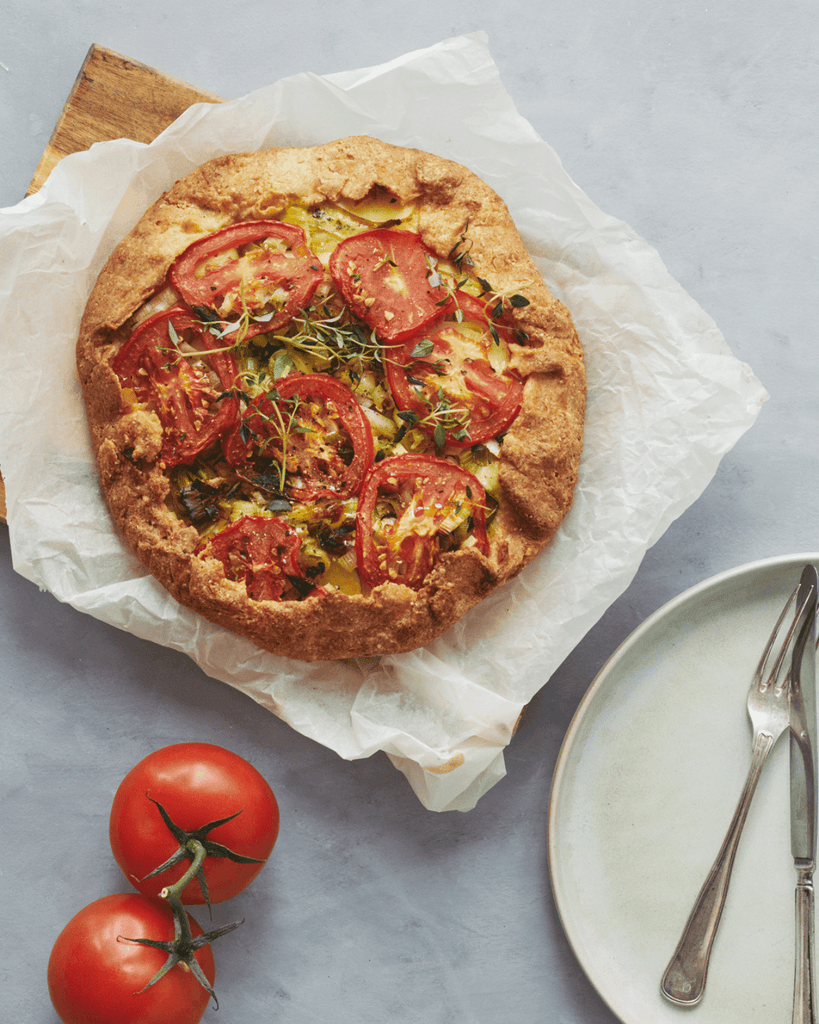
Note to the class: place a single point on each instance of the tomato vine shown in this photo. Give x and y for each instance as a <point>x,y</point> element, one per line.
<point>95,972</point>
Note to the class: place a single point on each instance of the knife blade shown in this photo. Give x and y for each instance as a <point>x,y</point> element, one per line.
<point>803,779</point>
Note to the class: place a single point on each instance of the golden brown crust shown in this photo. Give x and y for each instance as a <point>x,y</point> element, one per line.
<point>539,455</point>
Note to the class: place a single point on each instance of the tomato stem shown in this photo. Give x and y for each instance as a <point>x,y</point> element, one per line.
<point>199,853</point>
<point>195,845</point>
<point>182,948</point>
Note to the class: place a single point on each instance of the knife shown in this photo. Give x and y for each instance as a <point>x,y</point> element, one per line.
<point>803,797</point>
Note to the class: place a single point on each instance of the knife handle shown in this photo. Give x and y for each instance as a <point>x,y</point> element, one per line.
<point>804,1008</point>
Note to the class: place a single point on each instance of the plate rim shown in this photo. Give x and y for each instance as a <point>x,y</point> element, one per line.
<point>587,701</point>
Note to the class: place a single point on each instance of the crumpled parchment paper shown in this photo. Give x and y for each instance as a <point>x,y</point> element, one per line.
<point>666,400</point>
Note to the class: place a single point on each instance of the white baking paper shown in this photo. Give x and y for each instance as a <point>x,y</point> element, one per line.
<point>666,400</point>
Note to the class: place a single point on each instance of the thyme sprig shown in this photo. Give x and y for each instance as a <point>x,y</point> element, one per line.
<point>174,350</point>
<point>496,298</point>
<point>316,331</point>
<point>459,253</point>
<point>285,423</point>
<point>459,256</point>
<point>450,285</point>
<point>222,328</point>
<point>443,418</point>
<point>217,326</point>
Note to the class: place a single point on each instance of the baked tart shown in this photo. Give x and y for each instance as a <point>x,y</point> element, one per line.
<point>332,401</point>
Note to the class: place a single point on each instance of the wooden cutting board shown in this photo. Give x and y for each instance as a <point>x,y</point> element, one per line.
<point>113,97</point>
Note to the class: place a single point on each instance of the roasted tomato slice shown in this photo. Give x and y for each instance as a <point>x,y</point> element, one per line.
<point>454,376</point>
<point>262,553</point>
<point>384,277</point>
<point>168,365</point>
<point>409,504</point>
<point>313,425</point>
<point>259,274</point>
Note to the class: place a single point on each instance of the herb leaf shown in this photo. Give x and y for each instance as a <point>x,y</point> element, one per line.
<point>423,348</point>
<point>282,364</point>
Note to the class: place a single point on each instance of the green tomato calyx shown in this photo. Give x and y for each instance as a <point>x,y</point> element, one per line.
<point>181,949</point>
<point>195,846</point>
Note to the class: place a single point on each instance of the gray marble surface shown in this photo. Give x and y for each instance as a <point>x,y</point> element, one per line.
<point>695,124</point>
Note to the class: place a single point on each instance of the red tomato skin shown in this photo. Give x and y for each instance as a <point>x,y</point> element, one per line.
<point>257,550</point>
<point>441,478</point>
<point>302,274</point>
<point>93,978</point>
<point>495,398</point>
<point>348,413</point>
<point>358,265</point>
<point>196,783</point>
<point>176,390</point>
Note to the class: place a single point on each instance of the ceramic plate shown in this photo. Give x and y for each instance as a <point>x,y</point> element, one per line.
<point>647,781</point>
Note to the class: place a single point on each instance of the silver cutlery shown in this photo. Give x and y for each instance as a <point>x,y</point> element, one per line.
<point>803,759</point>
<point>768,706</point>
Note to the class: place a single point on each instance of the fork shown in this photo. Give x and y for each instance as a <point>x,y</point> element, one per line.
<point>769,711</point>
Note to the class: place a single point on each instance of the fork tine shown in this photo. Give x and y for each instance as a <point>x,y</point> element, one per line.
<point>760,669</point>
<point>774,674</point>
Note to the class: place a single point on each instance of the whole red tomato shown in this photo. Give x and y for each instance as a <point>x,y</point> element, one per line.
<point>95,976</point>
<point>193,790</point>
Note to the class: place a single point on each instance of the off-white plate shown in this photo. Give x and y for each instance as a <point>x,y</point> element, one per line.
<point>647,781</point>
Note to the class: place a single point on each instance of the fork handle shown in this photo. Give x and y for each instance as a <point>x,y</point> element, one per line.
<point>684,980</point>
<point>804,1006</point>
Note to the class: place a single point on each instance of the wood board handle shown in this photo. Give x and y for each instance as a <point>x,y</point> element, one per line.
<point>113,97</point>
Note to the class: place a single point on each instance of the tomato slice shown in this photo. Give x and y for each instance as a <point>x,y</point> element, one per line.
<point>407,503</point>
<point>453,375</point>
<point>166,363</point>
<point>262,553</point>
<point>262,266</point>
<point>315,425</point>
<point>384,277</point>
